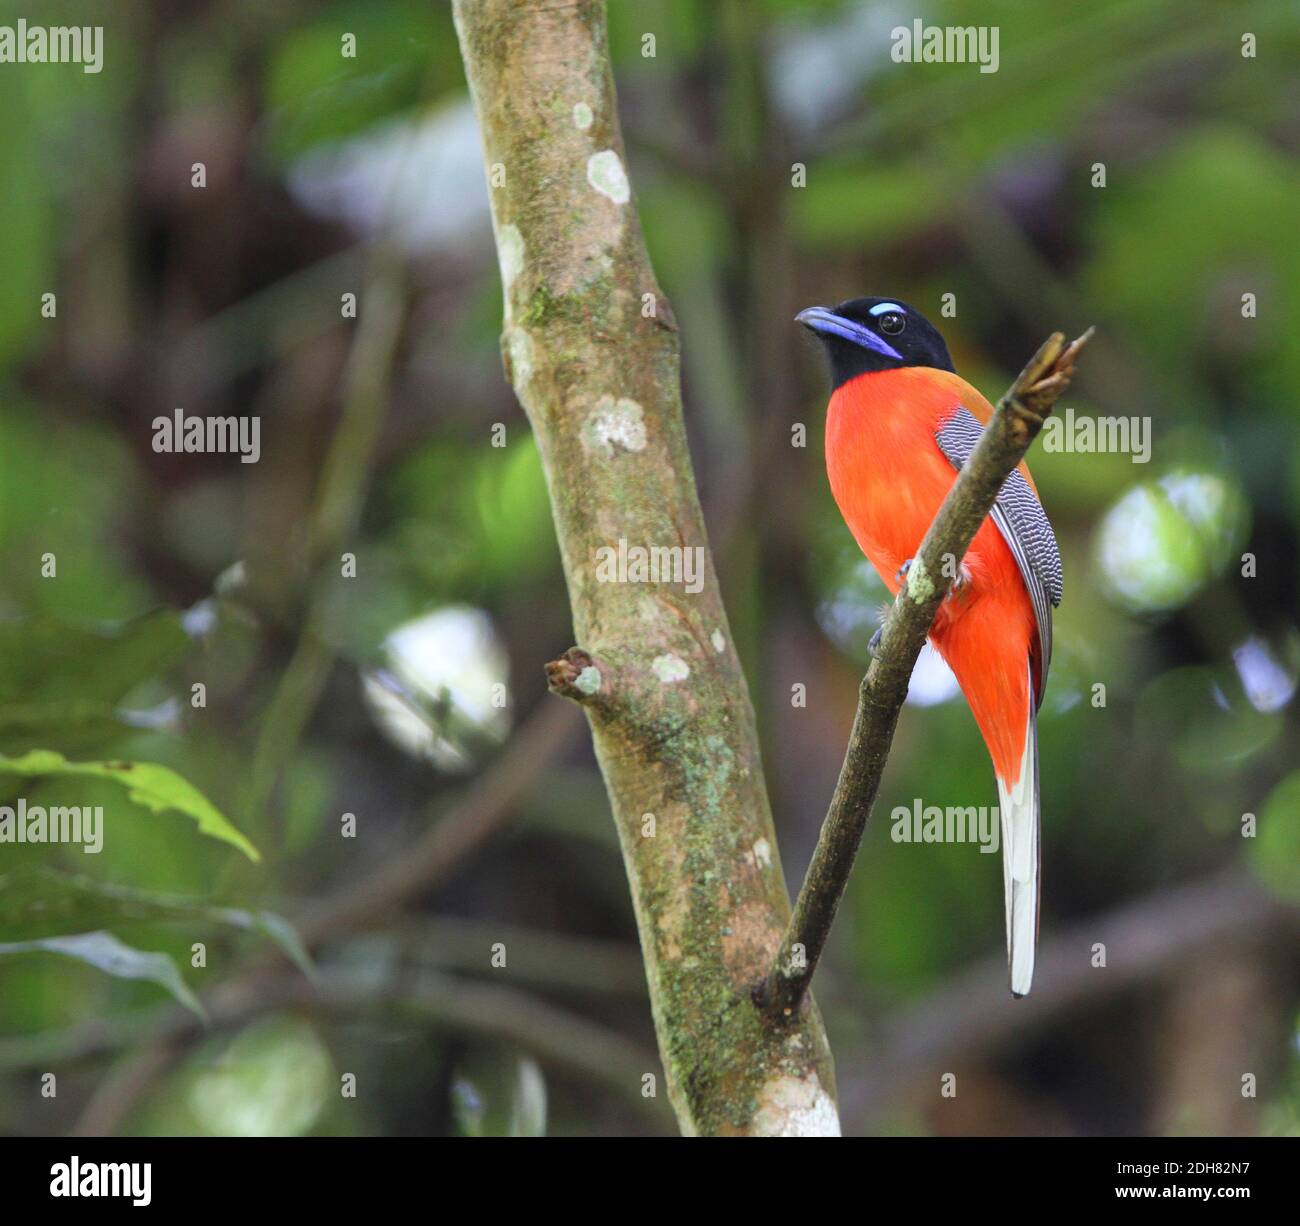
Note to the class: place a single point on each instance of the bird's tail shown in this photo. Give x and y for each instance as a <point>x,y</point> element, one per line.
<point>1020,860</point>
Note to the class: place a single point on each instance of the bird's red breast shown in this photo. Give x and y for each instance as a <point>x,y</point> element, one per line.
<point>889,479</point>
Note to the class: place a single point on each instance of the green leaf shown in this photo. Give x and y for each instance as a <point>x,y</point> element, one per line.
<point>1274,853</point>
<point>64,683</point>
<point>156,787</point>
<point>105,952</point>
<point>87,724</point>
<point>273,1079</point>
<point>1204,718</point>
<point>27,240</point>
<point>1217,198</point>
<point>316,96</point>
<point>37,903</point>
<point>65,487</point>
<point>276,928</point>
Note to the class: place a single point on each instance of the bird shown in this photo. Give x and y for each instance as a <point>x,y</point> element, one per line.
<point>899,426</point>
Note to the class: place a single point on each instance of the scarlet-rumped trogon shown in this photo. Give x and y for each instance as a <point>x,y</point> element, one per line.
<point>900,424</point>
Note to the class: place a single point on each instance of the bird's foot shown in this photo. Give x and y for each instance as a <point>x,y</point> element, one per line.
<point>874,644</point>
<point>901,573</point>
<point>960,585</point>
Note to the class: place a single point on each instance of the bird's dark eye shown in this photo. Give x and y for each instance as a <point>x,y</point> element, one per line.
<point>892,323</point>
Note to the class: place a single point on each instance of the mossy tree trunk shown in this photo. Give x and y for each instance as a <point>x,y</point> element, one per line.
<point>591,347</point>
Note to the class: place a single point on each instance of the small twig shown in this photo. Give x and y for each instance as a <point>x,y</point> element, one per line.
<point>339,497</point>
<point>574,675</point>
<point>122,1088</point>
<point>1015,423</point>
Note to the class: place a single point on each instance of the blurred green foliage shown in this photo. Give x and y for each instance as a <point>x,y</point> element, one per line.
<point>1170,712</point>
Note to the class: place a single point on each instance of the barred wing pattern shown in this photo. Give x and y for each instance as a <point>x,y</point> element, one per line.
<point>1023,523</point>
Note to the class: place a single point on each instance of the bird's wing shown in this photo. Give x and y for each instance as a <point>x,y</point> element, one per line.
<point>1023,523</point>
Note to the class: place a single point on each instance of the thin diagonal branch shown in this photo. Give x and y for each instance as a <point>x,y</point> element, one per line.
<point>1014,426</point>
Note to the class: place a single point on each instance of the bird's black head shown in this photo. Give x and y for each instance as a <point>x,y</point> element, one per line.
<point>869,334</point>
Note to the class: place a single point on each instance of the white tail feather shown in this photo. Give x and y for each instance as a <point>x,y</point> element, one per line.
<point>1020,861</point>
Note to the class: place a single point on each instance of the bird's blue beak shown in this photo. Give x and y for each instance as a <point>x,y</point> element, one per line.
<point>824,321</point>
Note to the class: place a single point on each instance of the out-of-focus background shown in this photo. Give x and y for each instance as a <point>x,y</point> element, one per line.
<point>378,727</point>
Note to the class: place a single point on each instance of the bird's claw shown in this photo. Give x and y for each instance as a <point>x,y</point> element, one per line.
<point>874,644</point>
<point>901,573</point>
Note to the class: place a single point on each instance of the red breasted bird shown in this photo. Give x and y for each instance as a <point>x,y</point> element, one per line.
<point>900,424</point>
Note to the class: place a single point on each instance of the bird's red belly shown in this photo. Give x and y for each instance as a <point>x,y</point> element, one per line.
<point>889,479</point>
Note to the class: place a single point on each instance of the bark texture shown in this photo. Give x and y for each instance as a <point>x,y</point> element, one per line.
<point>590,345</point>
